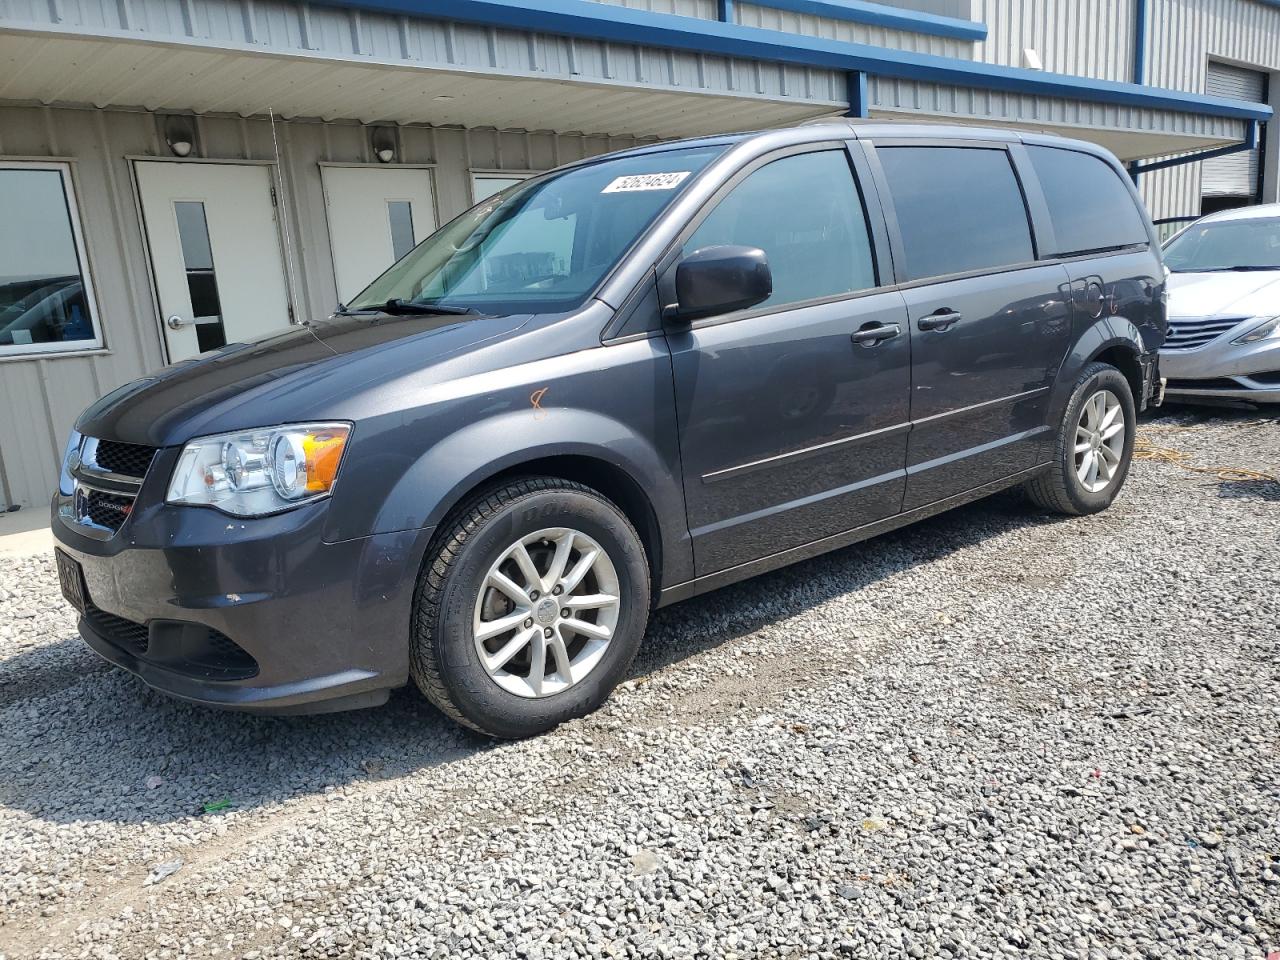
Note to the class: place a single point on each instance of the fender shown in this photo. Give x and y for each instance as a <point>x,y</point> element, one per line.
<point>465,460</point>
<point>1101,335</point>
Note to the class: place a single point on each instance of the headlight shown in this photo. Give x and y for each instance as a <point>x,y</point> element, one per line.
<point>67,483</point>
<point>256,472</point>
<point>1270,328</point>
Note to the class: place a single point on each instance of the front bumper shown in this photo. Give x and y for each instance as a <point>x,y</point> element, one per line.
<point>318,626</point>
<point>1225,371</point>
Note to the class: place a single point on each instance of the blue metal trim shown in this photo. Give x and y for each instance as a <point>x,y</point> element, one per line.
<point>858,101</point>
<point>599,21</point>
<point>1140,42</point>
<point>879,15</point>
<point>1139,59</point>
<point>1249,143</point>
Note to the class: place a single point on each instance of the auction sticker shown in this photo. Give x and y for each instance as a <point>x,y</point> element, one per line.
<point>646,181</point>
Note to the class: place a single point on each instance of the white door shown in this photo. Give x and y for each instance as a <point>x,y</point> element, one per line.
<point>376,215</point>
<point>215,252</point>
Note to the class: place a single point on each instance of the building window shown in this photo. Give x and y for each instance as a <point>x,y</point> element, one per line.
<point>485,185</point>
<point>46,299</point>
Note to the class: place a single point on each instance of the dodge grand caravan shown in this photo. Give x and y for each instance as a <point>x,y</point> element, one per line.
<point>608,388</point>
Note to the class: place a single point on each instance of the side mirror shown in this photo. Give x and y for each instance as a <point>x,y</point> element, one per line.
<point>721,279</point>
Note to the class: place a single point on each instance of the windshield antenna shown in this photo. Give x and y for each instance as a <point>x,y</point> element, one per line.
<point>284,220</point>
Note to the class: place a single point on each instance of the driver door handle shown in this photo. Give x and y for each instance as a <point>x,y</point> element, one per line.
<point>871,335</point>
<point>941,320</point>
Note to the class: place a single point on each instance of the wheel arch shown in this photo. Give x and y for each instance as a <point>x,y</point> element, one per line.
<point>1112,340</point>
<point>642,479</point>
<point>608,479</point>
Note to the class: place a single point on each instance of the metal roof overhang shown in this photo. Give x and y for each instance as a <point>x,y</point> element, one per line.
<point>301,70</point>
<point>129,73</point>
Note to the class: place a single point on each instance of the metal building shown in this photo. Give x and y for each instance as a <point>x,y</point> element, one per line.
<point>175,174</point>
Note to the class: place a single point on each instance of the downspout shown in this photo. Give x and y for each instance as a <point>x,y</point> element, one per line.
<point>1139,60</point>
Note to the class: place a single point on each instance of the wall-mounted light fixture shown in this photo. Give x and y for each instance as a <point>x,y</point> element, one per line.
<point>179,136</point>
<point>383,141</point>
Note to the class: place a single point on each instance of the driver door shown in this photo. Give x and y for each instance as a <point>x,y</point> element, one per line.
<point>792,430</point>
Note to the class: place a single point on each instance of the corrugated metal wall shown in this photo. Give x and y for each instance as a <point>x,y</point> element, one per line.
<point>1092,38</point>
<point>753,15</point>
<point>703,9</point>
<point>1183,37</point>
<point>40,398</point>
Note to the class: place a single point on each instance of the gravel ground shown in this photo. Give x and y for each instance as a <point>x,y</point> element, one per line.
<point>993,734</point>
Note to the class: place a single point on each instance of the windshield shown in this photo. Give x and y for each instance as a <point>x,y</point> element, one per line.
<point>542,245</point>
<point>1226,245</point>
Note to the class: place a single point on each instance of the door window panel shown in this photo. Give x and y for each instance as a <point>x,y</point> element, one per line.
<point>45,296</point>
<point>804,212</point>
<point>1090,207</point>
<point>202,282</point>
<point>400,217</point>
<point>959,209</point>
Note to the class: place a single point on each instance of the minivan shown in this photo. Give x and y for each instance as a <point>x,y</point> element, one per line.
<point>611,387</point>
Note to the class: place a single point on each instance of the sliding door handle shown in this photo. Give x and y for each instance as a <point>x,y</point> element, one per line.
<point>871,335</point>
<point>942,320</point>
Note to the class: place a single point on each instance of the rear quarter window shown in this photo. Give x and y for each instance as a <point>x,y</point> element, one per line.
<point>959,209</point>
<point>1091,208</point>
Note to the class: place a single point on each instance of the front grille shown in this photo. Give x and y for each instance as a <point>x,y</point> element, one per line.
<point>108,510</point>
<point>127,459</point>
<point>1189,333</point>
<point>123,633</point>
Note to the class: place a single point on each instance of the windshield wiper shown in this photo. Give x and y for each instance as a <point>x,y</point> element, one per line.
<point>1243,268</point>
<point>398,307</point>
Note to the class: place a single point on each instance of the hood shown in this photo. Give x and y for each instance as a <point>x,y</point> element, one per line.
<point>1252,293</point>
<point>307,373</point>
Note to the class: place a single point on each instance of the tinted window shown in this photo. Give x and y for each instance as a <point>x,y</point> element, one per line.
<point>1090,207</point>
<point>43,300</point>
<point>959,209</point>
<point>804,212</point>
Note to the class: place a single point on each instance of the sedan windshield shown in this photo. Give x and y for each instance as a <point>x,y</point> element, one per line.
<point>542,245</point>
<point>1226,245</point>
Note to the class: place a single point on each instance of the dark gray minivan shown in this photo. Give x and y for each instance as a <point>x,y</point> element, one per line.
<point>608,388</point>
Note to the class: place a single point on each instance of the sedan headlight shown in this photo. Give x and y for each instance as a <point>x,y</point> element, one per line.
<point>252,473</point>
<point>1269,328</point>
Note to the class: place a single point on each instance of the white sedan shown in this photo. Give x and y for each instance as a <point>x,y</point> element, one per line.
<point>1224,308</point>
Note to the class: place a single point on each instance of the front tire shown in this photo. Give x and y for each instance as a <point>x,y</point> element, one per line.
<point>1093,448</point>
<point>530,609</point>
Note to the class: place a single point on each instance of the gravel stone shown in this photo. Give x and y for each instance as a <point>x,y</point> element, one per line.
<point>993,734</point>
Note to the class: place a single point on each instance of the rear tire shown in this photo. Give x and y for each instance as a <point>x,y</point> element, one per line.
<point>1093,448</point>
<point>530,608</point>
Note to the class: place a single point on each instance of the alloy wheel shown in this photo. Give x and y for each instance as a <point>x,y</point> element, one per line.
<point>546,612</point>
<point>1099,446</point>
